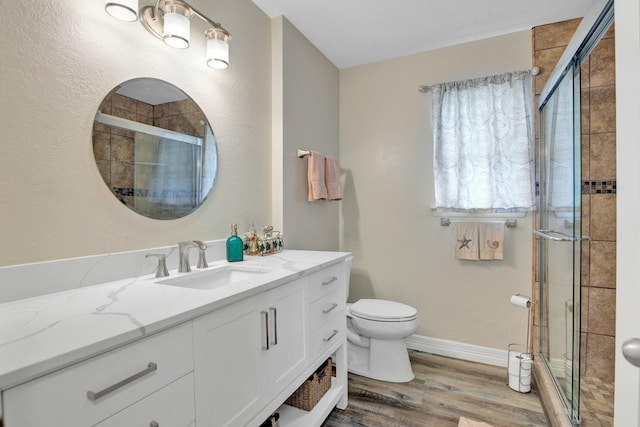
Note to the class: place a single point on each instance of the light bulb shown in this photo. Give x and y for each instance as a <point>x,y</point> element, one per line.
<point>217,54</point>
<point>124,10</point>
<point>217,48</point>
<point>176,30</point>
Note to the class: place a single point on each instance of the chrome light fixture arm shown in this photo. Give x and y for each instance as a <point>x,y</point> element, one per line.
<point>151,17</point>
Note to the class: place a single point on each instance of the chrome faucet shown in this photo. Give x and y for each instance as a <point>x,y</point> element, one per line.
<point>202,260</point>
<point>183,251</point>
<point>161,271</point>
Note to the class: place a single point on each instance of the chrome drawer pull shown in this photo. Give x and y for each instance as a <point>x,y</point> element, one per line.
<point>275,325</point>
<point>333,306</point>
<point>266,329</point>
<point>154,424</point>
<point>330,281</point>
<point>95,396</point>
<point>335,332</point>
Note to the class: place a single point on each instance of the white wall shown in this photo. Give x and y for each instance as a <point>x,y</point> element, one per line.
<point>627,380</point>
<point>401,251</point>
<point>306,114</point>
<point>59,60</point>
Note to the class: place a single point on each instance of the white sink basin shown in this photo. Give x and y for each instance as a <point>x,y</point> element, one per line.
<point>215,278</point>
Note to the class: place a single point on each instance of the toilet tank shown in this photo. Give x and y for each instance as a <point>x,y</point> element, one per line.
<point>348,263</point>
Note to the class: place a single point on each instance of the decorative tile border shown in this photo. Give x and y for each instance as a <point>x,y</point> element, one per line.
<point>607,186</point>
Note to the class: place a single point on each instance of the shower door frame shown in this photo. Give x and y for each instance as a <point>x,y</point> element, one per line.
<point>588,35</point>
<point>555,241</point>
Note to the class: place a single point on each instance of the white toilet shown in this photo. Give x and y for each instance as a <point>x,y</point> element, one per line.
<point>376,330</point>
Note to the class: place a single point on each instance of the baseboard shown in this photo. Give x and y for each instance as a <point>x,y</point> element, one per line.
<point>458,350</point>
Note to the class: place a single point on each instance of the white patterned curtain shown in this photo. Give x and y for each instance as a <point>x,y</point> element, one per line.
<point>558,132</point>
<point>483,144</point>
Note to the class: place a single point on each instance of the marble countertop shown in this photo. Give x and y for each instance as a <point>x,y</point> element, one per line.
<point>42,334</point>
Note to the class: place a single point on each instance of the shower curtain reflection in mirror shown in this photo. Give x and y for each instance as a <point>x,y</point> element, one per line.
<point>168,174</point>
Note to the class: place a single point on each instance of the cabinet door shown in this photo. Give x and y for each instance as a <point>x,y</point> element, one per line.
<point>228,357</point>
<point>286,354</point>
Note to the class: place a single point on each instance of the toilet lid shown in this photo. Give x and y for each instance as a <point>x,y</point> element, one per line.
<point>379,309</point>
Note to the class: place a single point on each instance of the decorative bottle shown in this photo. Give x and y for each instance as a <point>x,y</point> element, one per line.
<point>234,245</point>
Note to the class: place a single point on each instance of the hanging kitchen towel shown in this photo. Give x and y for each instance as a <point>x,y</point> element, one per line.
<point>332,178</point>
<point>315,176</point>
<point>464,238</point>
<point>491,240</point>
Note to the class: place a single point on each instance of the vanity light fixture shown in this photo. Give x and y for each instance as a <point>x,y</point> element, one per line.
<point>169,20</point>
<point>177,27</point>
<point>217,48</point>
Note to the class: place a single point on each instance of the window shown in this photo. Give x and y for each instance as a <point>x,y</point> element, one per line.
<point>483,144</point>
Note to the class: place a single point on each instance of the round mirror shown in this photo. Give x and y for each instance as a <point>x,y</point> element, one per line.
<point>154,148</point>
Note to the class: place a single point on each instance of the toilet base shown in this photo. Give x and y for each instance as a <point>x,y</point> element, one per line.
<point>384,360</point>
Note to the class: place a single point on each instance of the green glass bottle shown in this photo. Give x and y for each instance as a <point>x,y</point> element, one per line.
<point>234,245</point>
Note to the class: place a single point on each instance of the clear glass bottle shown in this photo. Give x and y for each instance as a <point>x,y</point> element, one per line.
<point>234,245</point>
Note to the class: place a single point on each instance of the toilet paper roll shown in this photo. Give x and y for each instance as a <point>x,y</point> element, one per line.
<point>521,384</point>
<point>521,301</point>
<point>520,363</point>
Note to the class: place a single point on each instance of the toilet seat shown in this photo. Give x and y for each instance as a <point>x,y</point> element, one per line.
<point>383,310</point>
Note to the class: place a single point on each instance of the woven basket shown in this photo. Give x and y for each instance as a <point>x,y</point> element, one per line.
<point>310,393</point>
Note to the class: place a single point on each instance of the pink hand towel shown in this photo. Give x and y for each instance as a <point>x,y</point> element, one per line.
<point>332,179</point>
<point>315,176</point>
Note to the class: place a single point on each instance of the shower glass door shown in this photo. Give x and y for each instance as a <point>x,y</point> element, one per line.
<point>560,238</point>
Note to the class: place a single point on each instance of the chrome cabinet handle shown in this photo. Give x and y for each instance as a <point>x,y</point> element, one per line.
<point>558,236</point>
<point>631,351</point>
<point>266,329</point>
<point>330,309</point>
<point>97,395</point>
<point>328,282</point>
<point>335,332</point>
<point>154,424</point>
<point>275,325</point>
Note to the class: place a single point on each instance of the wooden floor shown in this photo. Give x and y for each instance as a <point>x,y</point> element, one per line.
<point>443,391</point>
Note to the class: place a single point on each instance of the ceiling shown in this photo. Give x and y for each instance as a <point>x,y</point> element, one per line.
<point>356,32</point>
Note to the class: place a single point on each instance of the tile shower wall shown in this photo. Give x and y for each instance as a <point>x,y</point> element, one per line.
<point>599,210</point>
<point>114,148</point>
<point>598,192</point>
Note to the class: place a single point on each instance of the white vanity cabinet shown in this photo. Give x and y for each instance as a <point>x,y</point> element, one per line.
<point>250,356</point>
<point>90,392</point>
<point>246,352</point>
<point>228,360</point>
<point>325,325</point>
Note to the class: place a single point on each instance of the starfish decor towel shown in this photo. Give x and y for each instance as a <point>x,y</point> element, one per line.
<point>465,240</point>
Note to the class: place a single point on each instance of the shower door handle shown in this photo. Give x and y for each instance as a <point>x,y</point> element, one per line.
<point>631,351</point>
<point>558,236</point>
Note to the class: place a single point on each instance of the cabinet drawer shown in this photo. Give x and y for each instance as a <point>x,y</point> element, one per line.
<point>327,335</point>
<point>326,308</point>
<point>61,398</point>
<point>326,281</point>
<point>172,405</point>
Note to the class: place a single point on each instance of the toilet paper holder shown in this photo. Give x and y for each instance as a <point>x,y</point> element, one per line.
<point>519,367</point>
<point>519,362</point>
